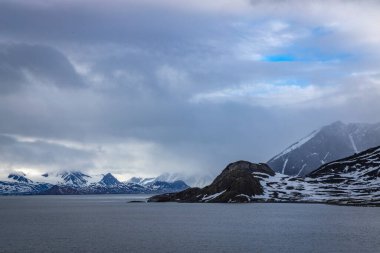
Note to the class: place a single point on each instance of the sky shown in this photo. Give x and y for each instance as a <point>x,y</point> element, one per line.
<point>139,88</point>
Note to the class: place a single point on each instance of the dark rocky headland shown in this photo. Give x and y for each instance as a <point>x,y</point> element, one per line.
<point>350,181</point>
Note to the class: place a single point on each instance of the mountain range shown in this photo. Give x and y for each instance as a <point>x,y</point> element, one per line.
<point>75,182</point>
<point>297,163</point>
<point>350,181</point>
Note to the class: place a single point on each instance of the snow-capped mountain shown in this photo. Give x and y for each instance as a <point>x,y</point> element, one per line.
<point>19,177</point>
<point>163,186</point>
<point>324,145</point>
<point>142,181</point>
<point>18,183</point>
<point>69,178</point>
<point>194,180</point>
<point>353,180</point>
<point>75,178</point>
<point>109,180</point>
<point>75,182</point>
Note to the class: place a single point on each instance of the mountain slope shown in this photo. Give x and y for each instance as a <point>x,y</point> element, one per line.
<point>327,144</point>
<point>351,181</point>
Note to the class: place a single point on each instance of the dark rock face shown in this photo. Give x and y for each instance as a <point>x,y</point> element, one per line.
<point>188,195</point>
<point>327,144</point>
<point>109,180</point>
<point>235,184</point>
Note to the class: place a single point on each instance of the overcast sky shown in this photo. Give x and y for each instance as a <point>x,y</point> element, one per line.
<point>151,86</point>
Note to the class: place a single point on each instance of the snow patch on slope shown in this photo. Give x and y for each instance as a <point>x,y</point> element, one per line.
<point>283,167</point>
<point>213,196</point>
<point>297,144</point>
<point>353,143</point>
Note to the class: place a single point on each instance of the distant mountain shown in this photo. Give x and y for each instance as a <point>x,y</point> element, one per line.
<point>19,177</point>
<point>109,180</point>
<point>324,145</point>
<point>75,182</point>
<point>142,181</point>
<point>194,181</point>
<point>163,186</point>
<point>20,184</point>
<point>75,178</point>
<point>350,181</point>
<point>69,178</point>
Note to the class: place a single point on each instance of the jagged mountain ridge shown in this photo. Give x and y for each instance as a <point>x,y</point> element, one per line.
<point>351,181</point>
<point>79,183</point>
<point>329,143</point>
<point>70,178</point>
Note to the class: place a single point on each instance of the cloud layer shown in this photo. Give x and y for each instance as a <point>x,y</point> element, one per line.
<point>142,88</point>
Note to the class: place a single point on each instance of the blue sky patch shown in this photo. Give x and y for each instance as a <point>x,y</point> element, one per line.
<point>279,58</point>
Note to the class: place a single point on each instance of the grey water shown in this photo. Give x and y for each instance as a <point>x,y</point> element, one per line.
<point>107,223</point>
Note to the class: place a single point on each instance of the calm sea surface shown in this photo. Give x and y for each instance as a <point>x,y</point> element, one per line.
<point>107,223</point>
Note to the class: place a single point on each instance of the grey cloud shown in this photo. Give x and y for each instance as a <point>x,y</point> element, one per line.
<point>42,155</point>
<point>140,66</point>
<point>44,63</point>
<point>99,23</point>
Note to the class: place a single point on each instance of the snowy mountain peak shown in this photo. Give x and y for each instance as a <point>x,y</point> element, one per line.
<point>142,181</point>
<point>329,143</point>
<point>74,178</point>
<point>19,177</point>
<point>109,180</point>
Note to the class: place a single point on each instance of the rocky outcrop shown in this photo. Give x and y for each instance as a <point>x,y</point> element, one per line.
<point>236,183</point>
<point>350,181</point>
